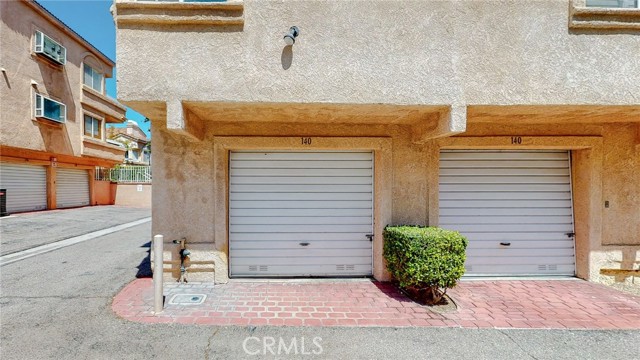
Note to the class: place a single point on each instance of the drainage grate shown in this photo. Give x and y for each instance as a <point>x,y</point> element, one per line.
<point>187,299</point>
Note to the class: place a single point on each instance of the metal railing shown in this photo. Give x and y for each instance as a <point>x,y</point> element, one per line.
<point>125,174</point>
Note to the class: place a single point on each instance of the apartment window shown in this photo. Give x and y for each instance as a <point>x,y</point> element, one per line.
<point>626,4</point>
<point>46,46</point>
<point>92,127</point>
<point>92,78</point>
<point>50,109</point>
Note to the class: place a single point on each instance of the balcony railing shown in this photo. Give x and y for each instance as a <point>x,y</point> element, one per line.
<point>125,174</point>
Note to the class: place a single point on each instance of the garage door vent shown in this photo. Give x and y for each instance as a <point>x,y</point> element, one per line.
<point>258,268</point>
<point>345,267</point>
<point>548,267</point>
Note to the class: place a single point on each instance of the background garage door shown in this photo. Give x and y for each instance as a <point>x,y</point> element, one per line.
<point>514,207</point>
<point>72,187</point>
<point>26,186</point>
<point>300,213</point>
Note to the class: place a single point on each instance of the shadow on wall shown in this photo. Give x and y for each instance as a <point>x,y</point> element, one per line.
<point>287,57</point>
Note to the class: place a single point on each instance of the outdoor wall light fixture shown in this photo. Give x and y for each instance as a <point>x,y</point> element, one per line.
<point>290,37</point>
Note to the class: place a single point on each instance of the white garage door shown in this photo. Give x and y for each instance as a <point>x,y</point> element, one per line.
<point>300,213</point>
<point>72,188</point>
<point>26,186</point>
<point>515,208</point>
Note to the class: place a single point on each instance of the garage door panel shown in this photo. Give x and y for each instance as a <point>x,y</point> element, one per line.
<point>306,156</point>
<point>302,180</point>
<point>533,203</point>
<point>365,172</point>
<point>514,179</point>
<point>295,244</point>
<point>503,187</point>
<point>26,186</point>
<point>544,220</point>
<point>295,270</point>
<point>298,196</point>
<point>300,204</point>
<point>501,155</point>
<point>524,211</point>
<point>278,200</point>
<point>299,228</point>
<point>514,252</point>
<point>535,172</point>
<point>513,228</point>
<point>521,270</point>
<point>517,197</point>
<point>300,212</point>
<point>301,188</point>
<point>272,238</point>
<point>295,220</point>
<point>303,252</point>
<point>558,243</point>
<point>511,164</point>
<point>511,235</point>
<point>471,195</point>
<point>301,164</point>
<point>304,262</point>
<point>520,260</point>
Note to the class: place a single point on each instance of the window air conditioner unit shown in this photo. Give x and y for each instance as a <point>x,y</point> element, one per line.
<point>50,109</point>
<point>51,49</point>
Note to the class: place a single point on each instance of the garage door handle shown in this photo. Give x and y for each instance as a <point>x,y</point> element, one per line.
<point>370,237</point>
<point>304,244</point>
<point>505,243</point>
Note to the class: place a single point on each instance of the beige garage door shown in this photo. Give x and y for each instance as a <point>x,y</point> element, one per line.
<point>26,186</point>
<point>515,208</point>
<point>300,213</point>
<point>72,188</point>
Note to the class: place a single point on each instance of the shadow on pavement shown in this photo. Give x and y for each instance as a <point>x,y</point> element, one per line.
<point>144,269</point>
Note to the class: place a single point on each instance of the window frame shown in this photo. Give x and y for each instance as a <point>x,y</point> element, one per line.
<point>94,119</point>
<point>39,110</point>
<point>94,72</point>
<point>39,38</point>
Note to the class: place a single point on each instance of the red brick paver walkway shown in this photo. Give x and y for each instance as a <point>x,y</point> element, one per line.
<point>556,304</point>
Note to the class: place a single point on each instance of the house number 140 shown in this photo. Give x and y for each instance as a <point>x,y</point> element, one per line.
<point>306,140</point>
<point>516,140</point>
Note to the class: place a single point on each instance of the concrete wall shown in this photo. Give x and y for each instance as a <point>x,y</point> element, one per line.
<point>136,195</point>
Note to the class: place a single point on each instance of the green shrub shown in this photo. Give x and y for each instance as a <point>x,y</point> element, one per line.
<point>425,260</point>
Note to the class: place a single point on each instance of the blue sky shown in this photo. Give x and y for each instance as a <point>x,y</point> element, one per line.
<point>93,21</point>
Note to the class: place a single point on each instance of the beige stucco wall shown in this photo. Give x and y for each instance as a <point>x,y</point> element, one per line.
<point>136,195</point>
<point>18,126</point>
<point>400,52</point>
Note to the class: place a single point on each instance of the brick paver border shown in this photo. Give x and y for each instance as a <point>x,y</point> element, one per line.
<point>523,304</point>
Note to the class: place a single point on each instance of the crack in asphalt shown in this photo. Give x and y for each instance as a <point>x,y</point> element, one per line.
<point>208,348</point>
<point>515,342</point>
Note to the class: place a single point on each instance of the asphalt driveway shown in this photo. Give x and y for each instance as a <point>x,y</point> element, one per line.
<point>27,230</point>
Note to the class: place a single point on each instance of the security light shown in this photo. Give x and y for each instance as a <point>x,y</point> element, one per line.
<point>290,37</point>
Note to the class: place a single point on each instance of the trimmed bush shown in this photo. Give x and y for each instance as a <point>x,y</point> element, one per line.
<point>426,261</point>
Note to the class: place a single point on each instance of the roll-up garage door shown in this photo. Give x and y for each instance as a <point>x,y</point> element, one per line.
<point>26,186</point>
<point>300,213</point>
<point>72,188</point>
<point>515,207</point>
